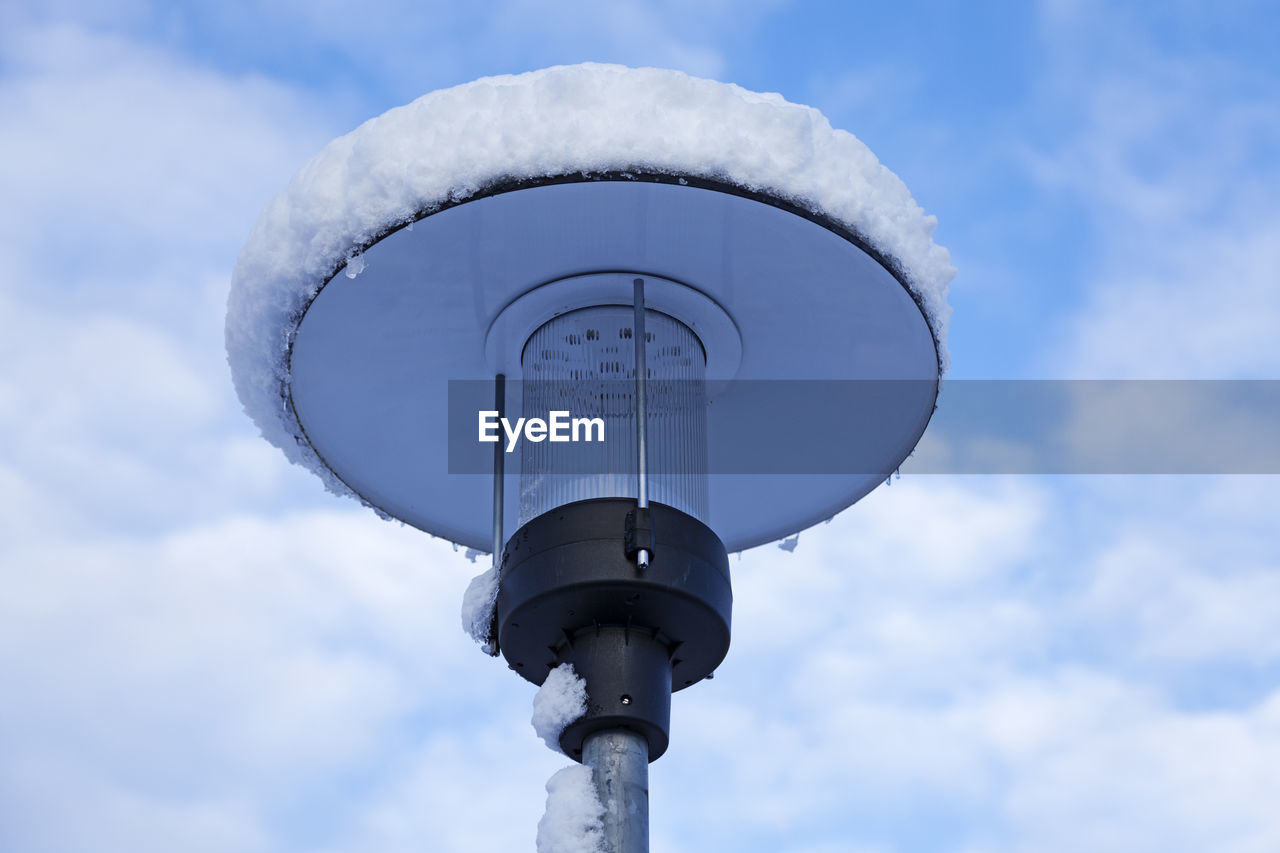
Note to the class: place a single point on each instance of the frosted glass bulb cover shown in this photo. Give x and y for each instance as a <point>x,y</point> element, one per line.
<point>583,362</point>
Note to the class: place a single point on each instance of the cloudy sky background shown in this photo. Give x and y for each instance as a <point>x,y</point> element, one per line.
<point>200,650</point>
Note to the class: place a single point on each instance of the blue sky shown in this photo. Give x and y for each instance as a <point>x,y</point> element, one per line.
<point>201,650</point>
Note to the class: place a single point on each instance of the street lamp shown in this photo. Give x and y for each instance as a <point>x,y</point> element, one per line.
<point>672,257</point>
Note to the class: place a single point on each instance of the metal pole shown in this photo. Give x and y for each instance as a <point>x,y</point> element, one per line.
<point>619,760</point>
<point>642,410</point>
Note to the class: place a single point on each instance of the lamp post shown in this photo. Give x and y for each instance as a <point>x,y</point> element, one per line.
<point>633,245</point>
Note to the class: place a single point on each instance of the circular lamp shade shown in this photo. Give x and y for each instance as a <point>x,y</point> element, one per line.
<point>422,251</point>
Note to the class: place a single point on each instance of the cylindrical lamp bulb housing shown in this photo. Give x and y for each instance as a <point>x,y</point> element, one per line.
<point>583,362</point>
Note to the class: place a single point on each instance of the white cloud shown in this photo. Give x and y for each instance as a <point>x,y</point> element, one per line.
<point>1170,155</point>
<point>634,33</point>
<point>119,158</point>
<point>1129,775</point>
<point>1019,703</point>
<point>891,679</point>
<point>665,33</point>
<point>1188,581</point>
<point>1203,308</point>
<point>116,418</point>
<point>108,815</point>
<point>245,662</point>
<point>130,179</point>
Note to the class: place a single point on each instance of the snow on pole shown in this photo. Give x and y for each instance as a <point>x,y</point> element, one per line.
<point>560,700</point>
<point>603,804</point>
<point>572,821</point>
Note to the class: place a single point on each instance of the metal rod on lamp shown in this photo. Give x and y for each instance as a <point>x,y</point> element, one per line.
<point>499,468</point>
<point>642,411</point>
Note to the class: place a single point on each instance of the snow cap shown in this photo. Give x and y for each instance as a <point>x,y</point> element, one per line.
<point>454,144</point>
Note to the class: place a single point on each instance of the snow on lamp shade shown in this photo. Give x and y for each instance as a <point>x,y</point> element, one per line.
<point>430,243</point>
<point>583,362</point>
